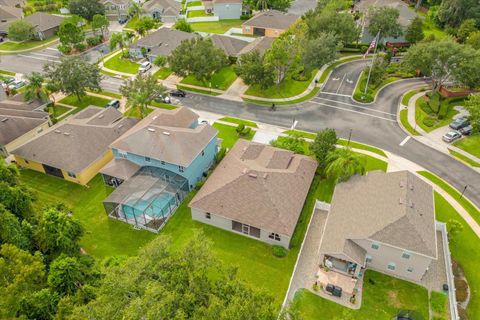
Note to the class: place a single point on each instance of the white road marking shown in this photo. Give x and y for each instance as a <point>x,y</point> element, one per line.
<point>336,94</point>
<point>33,54</point>
<point>335,79</point>
<point>353,111</point>
<point>53,49</point>
<point>37,58</point>
<point>354,105</point>
<point>405,141</point>
<point>341,82</point>
<point>349,81</point>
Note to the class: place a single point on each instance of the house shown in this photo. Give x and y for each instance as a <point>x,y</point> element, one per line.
<point>225,9</point>
<point>13,3</point>
<point>260,44</point>
<point>44,25</point>
<point>159,43</point>
<point>230,45</point>
<point>155,165</point>
<point>382,221</point>
<point>20,122</point>
<point>270,23</point>
<point>116,9</point>
<point>10,13</point>
<point>164,10</point>
<point>257,191</point>
<point>75,149</point>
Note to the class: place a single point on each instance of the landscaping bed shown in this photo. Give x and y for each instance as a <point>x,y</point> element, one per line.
<point>121,65</point>
<point>220,27</point>
<point>221,80</point>
<point>435,112</point>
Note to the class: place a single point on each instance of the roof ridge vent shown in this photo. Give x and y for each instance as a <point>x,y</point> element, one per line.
<point>120,126</point>
<point>100,116</point>
<point>166,133</point>
<point>66,133</point>
<point>252,174</point>
<point>401,184</point>
<point>265,175</point>
<point>245,171</point>
<point>154,117</point>
<point>400,201</point>
<point>151,129</point>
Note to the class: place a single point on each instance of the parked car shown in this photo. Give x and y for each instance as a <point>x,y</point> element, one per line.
<point>144,67</point>
<point>6,81</point>
<point>114,104</point>
<point>17,84</point>
<point>163,98</point>
<point>451,136</point>
<point>459,123</point>
<point>178,93</point>
<point>122,20</point>
<point>466,130</point>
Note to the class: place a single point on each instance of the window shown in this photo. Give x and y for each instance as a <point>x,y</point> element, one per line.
<point>147,159</point>
<point>203,153</point>
<point>247,29</point>
<point>368,259</point>
<point>181,169</point>
<point>375,246</point>
<point>391,266</point>
<point>406,255</point>
<point>122,154</point>
<point>410,269</point>
<point>274,236</point>
<point>208,215</point>
<point>71,174</point>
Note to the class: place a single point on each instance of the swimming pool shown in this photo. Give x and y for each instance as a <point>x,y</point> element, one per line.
<point>153,207</point>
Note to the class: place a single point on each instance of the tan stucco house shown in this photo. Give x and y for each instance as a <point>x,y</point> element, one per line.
<point>270,23</point>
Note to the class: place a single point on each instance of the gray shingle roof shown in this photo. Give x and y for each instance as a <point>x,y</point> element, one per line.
<point>120,168</point>
<point>258,185</point>
<point>75,144</point>
<point>394,208</point>
<point>272,19</point>
<point>44,21</point>
<point>167,135</point>
<point>260,44</point>
<point>168,6</point>
<point>163,41</point>
<point>9,13</point>
<point>231,46</point>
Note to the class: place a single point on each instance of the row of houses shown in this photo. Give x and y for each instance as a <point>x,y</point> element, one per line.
<point>44,25</point>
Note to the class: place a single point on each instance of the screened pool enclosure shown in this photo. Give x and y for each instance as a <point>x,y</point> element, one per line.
<point>148,198</point>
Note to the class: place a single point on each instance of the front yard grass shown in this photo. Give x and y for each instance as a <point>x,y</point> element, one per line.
<point>116,63</point>
<point>406,124</point>
<point>24,45</point>
<point>221,26</point>
<point>439,305</point>
<point>57,110</point>
<point>239,121</point>
<point>229,135</point>
<point>287,88</point>
<point>221,80</point>
<point>107,93</point>
<point>198,13</point>
<point>86,101</point>
<point>470,144</point>
<point>383,297</point>
<point>162,73</point>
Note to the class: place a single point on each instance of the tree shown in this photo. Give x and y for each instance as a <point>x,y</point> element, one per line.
<point>119,39</point>
<point>160,61</point>
<point>39,305</point>
<point>135,10</point>
<point>35,88</point>
<point>339,24</point>
<point>164,284</point>
<point>141,91</point>
<point>453,12</point>
<point>253,69</point>
<point>385,21</point>
<point>198,57</point>
<point>58,232</point>
<point>281,5</point>
<point>100,22</point>
<point>472,105</point>
<point>68,274</point>
<point>284,56</point>
<point>414,32</point>
<point>183,25</point>
<point>20,30</point>
<point>143,25</point>
<point>466,28</point>
<point>22,274</point>
<point>320,51</point>
<point>454,227</point>
<point>378,71</point>
<point>86,8</point>
<point>465,72</point>
<point>13,231</point>
<point>344,163</point>
<point>70,33</point>
<point>474,40</point>
<point>324,143</point>
<point>74,75</point>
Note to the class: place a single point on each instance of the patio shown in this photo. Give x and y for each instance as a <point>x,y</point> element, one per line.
<point>351,287</point>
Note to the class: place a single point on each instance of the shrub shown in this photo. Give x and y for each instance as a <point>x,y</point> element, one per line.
<point>429,122</point>
<point>64,48</point>
<point>279,251</point>
<point>245,16</point>
<point>80,47</point>
<point>220,154</point>
<point>434,102</point>
<point>160,61</point>
<point>93,41</point>
<point>292,143</point>
<point>200,184</point>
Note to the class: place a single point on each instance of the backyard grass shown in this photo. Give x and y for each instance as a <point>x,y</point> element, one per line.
<point>229,135</point>
<point>179,86</point>
<point>406,124</point>
<point>162,73</point>
<point>310,95</point>
<point>221,26</point>
<point>57,110</point>
<point>470,144</point>
<point>24,45</point>
<point>86,101</point>
<point>122,65</point>
<point>287,88</point>
<point>383,297</point>
<point>221,80</point>
<point>463,158</point>
<point>239,121</point>
<point>198,13</point>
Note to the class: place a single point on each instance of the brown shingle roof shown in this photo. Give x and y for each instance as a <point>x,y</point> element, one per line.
<point>260,44</point>
<point>393,208</point>
<point>167,135</point>
<point>272,19</point>
<point>163,41</point>
<point>256,185</point>
<point>120,168</point>
<point>231,46</point>
<point>75,144</point>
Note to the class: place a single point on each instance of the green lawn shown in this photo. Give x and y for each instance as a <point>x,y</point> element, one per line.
<point>430,123</point>
<point>372,90</point>
<point>122,65</point>
<point>222,79</point>
<point>221,26</point>
<point>86,101</point>
<point>470,144</point>
<point>381,300</point>
<point>463,158</point>
<point>430,28</point>
<point>287,88</point>
<point>239,121</point>
<point>195,4</point>
<point>406,124</point>
<point>24,45</point>
<point>310,95</point>
<point>8,73</point>
<point>162,73</point>
<point>439,305</point>
<point>407,96</point>
<point>108,94</point>
<point>131,23</point>
<point>229,135</point>
<point>57,110</point>
<point>198,13</point>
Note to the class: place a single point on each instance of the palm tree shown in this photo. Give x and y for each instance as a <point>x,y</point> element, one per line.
<point>35,88</point>
<point>344,163</point>
<point>119,39</point>
<point>262,4</point>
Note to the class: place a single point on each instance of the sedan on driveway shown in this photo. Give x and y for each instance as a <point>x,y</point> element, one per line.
<point>459,123</point>
<point>466,130</point>
<point>17,84</point>
<point>451,136</point>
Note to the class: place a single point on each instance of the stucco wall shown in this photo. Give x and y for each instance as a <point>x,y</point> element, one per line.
<point>386,254</point>
<point>272,33</point>
<point>25,137</point>
<point>86,175</point>
<point>30,165</point>
<point>226,224</point>
<point>227,10</point>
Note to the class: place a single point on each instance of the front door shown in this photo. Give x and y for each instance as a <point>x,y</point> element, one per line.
<point>53,171</point>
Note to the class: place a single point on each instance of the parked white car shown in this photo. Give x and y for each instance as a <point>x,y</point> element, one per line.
<point>451,136</point>
<point>144,67</point>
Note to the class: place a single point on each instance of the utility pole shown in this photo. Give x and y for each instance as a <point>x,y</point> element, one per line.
<point>377,38</point>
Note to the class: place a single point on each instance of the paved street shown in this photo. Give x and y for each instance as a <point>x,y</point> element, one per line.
<point>301,6</point>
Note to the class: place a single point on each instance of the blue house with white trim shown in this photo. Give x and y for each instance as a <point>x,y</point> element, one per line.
<point>156,163</point>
